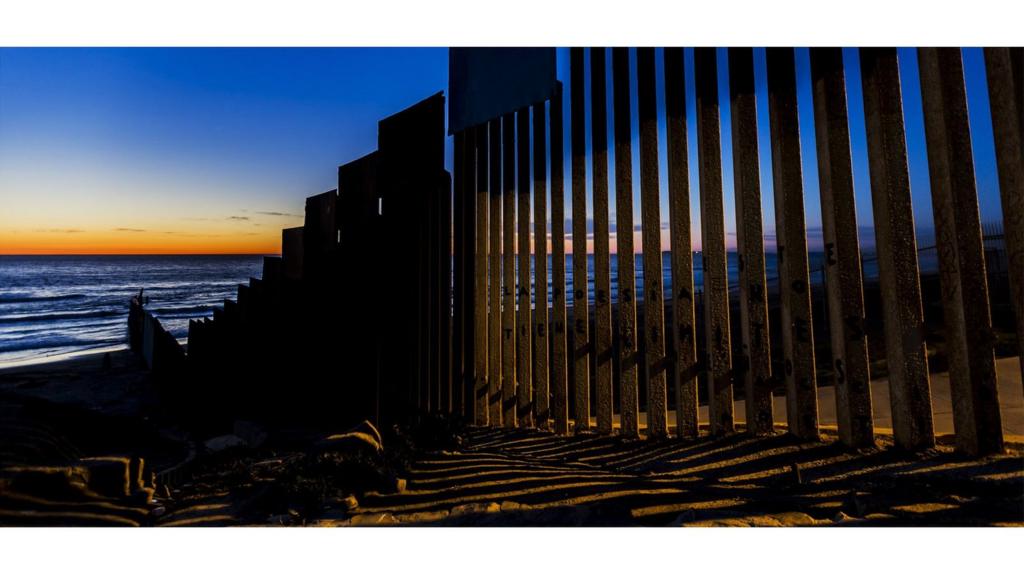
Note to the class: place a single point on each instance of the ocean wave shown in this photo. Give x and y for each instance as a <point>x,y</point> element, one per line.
<point>55,342</point>
<point>62,304</point>
<point>23,298</point>
<point>190,287</point>
<point>34,318</point>
<point>170,310</point>
<point>86,325</point>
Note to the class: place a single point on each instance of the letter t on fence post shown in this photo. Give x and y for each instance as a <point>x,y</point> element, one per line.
<point>909,391</point>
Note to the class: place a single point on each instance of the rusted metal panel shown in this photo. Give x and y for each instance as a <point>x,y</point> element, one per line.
<point>718,357</point>
<point>909,390</point>
<point>790,229</point>
<point>602,336</point>
<point>480,302</point>
<point>508,255</point>
<point>320,236</point>
<point>468,383</point>
<point>438,294</point>
<point>958,236</point>
<point>581,329</point>
<point>629,397</point>
<point>428,253</point>
<point>540,290</point>
<point>684,342</point>
<point>1005,70</point>
<point>411,149</point>
<point>843,281</point>
<point>458,276</point>
<point>292,253</point>
<point>524,386</point>
<point>494,278</point>
<point>755,367</point>
<point>445,290</point>
<point>273,268</point>
<point>650,207</point>
<point>244,303</point>
<point>486,82</point>
<point>421,394</point>
<point>559,366</point>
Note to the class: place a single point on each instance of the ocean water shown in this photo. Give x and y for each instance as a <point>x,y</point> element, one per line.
<point>815,260</point>
<point>56,305</point>
<point>927,261</point>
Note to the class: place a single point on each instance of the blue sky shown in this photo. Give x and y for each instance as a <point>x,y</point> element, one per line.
<point>166,139</point>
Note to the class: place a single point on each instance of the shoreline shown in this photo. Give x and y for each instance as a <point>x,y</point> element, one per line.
<point>524,477</point>
<point>60,359</point>
<point>1011,400</point>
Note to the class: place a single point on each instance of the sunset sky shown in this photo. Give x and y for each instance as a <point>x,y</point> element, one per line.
<point>214,150</point>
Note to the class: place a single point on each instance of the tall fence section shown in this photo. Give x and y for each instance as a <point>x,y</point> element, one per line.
<point>410,292</point>
<point>292,347</point>
<point>528,351</point>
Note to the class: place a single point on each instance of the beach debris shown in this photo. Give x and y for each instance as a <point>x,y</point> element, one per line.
<point>368,427</point>
<point>784,519</point>
<point>362,437</point>
<point>688,515</point>
<point>880,517</point>
<point>253,434</point>
<point>51,482</point>
<point>109,475</point>
<point>222,443</point>
<point>272,462</point>
<point>351,443</point>
<point>158,512</point>
<point>280,519</point>
<point>29,490</point>
<point>857,502</point>
<point>842,517</point>
<point>144,495</point>
<point>394,484</point>
<point>373,519</point>
<point>137,473</point>
<point>423,517</point>
<point>794,470</point>
<point>476,508</point>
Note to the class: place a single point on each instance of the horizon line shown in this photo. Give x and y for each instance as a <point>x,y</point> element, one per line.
<point>139,254</point>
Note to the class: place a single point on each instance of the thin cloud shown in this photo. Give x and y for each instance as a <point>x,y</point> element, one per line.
<point>238,218</point>
<point>189,235</point>
<point>129,230</point>
<point>60,230</point>
<point>285,214</point>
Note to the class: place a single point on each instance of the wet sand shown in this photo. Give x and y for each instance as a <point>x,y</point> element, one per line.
<point>84,381</point>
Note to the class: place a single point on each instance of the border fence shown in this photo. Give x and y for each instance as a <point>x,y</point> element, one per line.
<point>408,291</point>
<point>641,350</point>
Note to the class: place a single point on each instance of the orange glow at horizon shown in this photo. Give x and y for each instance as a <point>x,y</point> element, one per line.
<point>86,242</point>
<point>102,208</point>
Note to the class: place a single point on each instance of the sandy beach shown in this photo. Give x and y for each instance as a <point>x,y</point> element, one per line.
<point>95,405</point>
